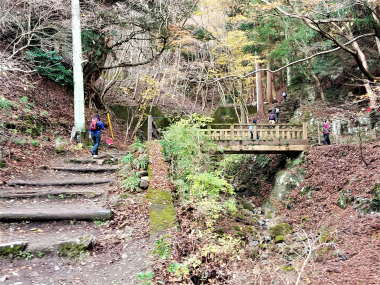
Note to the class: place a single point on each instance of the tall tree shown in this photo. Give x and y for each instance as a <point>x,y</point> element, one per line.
<point>79,119</point>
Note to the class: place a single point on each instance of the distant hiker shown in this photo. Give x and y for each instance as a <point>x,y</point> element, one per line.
<point>277,112</point>
<point>272,118</point>
<point>96,128</point>
<point>326,132</point>
<point>284,95</point>
<point>252,127</point>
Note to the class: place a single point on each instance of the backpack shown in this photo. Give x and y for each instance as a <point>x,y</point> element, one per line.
<point>93,125</point>
<point>272,116</point>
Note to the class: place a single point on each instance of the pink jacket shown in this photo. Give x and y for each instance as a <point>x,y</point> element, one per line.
<point>326,128</point>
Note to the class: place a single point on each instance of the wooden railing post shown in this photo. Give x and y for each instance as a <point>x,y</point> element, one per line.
<point>150,128</point>
<point>278,133</point>
<point>304,131</point>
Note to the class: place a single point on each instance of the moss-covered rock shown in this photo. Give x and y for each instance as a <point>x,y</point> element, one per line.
<point>281,229</point>
<point>162,213</point>
<point>12,249</point>
<point>279,239</point>
<point>74,249</point>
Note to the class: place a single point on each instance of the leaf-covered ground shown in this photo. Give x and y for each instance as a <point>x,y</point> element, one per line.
<point>333,171</point>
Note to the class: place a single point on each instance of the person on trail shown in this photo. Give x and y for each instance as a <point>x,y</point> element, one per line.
<point>326,132</point>
<point>272,118</point>
<point>277,112</point>
<point>251,128</point>
<point>284,95</point>
<point>96,128</point>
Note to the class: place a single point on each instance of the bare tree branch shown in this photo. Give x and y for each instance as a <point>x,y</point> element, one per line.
<point>294,62</point>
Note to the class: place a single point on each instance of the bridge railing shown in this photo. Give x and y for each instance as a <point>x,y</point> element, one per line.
<point>280,133</point>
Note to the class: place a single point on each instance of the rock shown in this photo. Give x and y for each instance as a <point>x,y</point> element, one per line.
<point>4,278</point>
<point>74,248</point>
<point>267,238</point>
<point>144,182</point>
<point>59,146</point>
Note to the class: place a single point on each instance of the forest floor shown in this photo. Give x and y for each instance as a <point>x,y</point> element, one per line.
<point>344,175</point>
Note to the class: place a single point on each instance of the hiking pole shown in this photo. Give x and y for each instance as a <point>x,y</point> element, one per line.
<point>110,124</point>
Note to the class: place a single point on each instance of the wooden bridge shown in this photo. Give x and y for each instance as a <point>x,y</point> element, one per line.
<point>257,138</point>
<point>260,138</point>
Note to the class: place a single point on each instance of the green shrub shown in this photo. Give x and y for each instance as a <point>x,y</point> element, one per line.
<point>208,184</point>
<point>24,99</point>
<point>127,159</point>
<point>49,64</point>
<point>145,277</point>
<point>162,248</point>
<point>231,164</point>
<point>35,143</point>
<point>141,162</point>
<point>5,103</point>
<point>138,146</point>
<point>186,147</point>
<point>131,182</point>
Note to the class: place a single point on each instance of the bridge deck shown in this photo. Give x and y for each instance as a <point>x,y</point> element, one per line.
<point>259,138</point>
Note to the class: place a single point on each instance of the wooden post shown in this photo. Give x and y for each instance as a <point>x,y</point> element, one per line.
<point>304,131</point>
<point>150,127</point>
<point>278,133</point>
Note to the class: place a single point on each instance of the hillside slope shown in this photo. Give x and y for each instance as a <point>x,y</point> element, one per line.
<point>339,202</point>
<point>34,113</point>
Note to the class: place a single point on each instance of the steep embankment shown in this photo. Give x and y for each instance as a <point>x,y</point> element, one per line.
<point>34,112</point>
<point>338,202</point>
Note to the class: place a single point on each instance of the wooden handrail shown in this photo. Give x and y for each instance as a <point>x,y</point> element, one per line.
<point>280,132</point>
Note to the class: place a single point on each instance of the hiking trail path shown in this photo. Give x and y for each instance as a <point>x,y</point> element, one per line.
<point>50,217</point>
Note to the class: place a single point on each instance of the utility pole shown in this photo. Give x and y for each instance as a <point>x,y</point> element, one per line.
<point>79,119</point>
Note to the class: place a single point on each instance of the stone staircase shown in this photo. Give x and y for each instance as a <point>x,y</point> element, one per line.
<point>55,207</point>
<point>287,109</point>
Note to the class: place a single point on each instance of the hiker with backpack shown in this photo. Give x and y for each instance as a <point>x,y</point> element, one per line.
<point>96,128</point>
<point>326,128</point>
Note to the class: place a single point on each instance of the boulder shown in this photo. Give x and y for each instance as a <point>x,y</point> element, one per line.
<point>144,182</point>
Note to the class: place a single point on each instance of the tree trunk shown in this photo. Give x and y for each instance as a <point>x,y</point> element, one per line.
<point>269,86</point>
<point>79,119</point>
<point>259,92</point>
<point>371,94</point>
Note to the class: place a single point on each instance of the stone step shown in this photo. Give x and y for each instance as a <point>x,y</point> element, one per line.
<point>100,160</point>
<point>35,193</point>
<point>38,245</point>
<point>85,169</point>
<point>62,182</point>
<point>54,213</point>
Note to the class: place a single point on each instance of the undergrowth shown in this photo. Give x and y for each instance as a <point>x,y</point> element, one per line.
<point>203,191</point>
